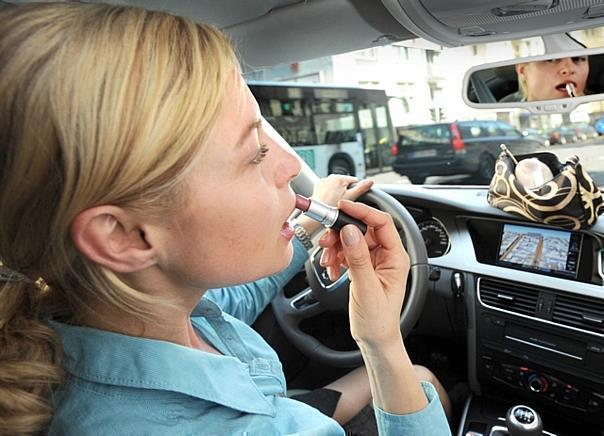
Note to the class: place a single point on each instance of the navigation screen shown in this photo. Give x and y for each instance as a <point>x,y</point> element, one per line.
<point>540,250</point>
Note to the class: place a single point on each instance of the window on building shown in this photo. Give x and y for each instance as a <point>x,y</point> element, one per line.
<point>432,56</point>
<point>369,83</point>
<point>435,90</point>
<point>369,53</point>
<point>403,52</point>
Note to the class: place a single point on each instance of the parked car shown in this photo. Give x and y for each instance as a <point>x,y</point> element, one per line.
<point>585,131</point>
<point>536,135</point>
<point>461,147</point>
<point>562,135</point>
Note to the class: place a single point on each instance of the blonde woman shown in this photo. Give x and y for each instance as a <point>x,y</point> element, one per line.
<point>552,79</point>
<point>136,174</point>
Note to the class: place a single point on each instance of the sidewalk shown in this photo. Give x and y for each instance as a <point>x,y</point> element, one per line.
<point>386,176</point>
<point>374,171</point>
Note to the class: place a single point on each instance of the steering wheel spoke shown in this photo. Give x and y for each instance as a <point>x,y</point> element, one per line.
<point>303,306</point>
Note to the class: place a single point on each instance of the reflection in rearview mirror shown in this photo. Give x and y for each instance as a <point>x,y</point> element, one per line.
<point>537,79</point>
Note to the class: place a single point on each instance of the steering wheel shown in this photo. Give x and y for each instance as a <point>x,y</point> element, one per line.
<point>324,295</point>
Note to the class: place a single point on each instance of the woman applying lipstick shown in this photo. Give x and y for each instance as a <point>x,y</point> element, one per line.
<point>134,179</point>
<point>552,79</point>
<point>347,398</point>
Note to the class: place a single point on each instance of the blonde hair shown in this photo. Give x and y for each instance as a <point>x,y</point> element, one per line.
<point>98,105</point>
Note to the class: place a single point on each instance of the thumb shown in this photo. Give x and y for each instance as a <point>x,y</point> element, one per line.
<point>356,252</point>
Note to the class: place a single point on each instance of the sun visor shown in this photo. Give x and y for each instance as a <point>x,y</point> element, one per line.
<point>464,22</point>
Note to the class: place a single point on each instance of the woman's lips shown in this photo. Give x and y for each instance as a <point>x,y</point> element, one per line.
<point>561,87</point>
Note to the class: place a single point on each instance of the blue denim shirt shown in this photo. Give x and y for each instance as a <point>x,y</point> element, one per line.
<point>124,385</point>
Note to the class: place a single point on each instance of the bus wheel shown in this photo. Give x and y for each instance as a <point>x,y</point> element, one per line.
<point>340,166</point>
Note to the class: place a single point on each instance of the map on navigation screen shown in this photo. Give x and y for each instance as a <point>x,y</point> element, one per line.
<point>540,250</point>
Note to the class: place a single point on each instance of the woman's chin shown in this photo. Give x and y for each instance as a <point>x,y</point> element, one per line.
<point>287,258</point>
<point>278,264</point>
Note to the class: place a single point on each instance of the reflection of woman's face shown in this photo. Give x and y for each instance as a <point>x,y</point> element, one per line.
<point>546,80</point>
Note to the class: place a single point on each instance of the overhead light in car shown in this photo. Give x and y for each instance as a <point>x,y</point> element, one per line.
<point>525,7</point>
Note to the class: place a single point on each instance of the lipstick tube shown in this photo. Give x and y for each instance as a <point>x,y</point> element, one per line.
<point>329,216</point>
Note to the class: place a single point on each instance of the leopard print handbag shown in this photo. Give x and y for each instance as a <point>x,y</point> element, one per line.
<point>570,200</point>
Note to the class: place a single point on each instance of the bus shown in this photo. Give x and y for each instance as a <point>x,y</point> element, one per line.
<point>335,130</point>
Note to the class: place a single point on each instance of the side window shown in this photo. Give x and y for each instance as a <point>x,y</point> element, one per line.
<point>492,128</point>
<point>509,131</point>
<point>471,131</point>
<point>435,134</point>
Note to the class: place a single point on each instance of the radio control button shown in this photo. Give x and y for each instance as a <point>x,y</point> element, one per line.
<point>594,403</point>
<point>596,348</point>
<point>537,383</point>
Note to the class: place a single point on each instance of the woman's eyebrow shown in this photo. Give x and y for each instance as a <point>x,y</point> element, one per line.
<point>256,124</point>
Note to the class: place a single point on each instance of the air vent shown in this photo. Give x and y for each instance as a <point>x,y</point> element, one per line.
<point>509,296</point>
<point>580,312</point>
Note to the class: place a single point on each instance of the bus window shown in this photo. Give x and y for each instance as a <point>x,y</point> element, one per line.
<point>385,137</point>
<point>333,129</point>
<point>369,137</point>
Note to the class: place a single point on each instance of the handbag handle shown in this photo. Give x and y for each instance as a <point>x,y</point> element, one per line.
<point>508,152</point>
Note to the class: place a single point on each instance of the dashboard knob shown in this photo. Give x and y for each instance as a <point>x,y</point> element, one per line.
<point>537,383</point>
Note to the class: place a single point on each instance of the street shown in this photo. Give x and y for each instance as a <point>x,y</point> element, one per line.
<point>591,156</point>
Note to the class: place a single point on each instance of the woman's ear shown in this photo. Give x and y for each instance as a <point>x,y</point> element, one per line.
<point>520,69</point>
<point>113,238</point>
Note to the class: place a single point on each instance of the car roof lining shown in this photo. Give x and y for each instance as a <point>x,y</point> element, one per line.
<point>271,32</point>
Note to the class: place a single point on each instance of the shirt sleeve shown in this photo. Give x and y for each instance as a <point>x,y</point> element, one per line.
<point>245,302</point>
<point>430,421</point>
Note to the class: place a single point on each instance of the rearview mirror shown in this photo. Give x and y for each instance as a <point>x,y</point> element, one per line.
<point>542,84</point>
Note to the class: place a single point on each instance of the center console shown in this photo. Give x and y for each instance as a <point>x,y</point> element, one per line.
<point>537,345</point>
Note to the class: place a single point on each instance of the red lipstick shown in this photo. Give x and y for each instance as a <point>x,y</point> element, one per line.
<point>329,216</point>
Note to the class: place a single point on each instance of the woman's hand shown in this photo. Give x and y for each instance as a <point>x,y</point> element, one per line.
<point>378,266</point>
<point>332,189</point>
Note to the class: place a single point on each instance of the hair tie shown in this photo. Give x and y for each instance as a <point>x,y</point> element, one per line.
<point>9,275</point>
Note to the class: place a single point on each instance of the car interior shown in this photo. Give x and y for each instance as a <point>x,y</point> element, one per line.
<point>516,344</point>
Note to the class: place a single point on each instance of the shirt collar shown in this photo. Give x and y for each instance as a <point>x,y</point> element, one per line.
<point>115,359</point>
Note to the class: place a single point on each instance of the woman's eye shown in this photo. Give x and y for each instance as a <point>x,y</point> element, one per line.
<point>262,151</point>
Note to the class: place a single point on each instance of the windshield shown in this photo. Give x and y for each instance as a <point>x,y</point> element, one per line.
<point>413,126</point>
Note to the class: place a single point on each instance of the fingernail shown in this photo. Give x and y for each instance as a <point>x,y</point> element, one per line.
<point>350,235</point>
<point>324,258</point>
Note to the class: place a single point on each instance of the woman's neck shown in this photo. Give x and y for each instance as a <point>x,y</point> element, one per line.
<point>168,323</point>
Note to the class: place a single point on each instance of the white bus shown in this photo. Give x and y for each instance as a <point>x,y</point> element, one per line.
<point>333,129</point>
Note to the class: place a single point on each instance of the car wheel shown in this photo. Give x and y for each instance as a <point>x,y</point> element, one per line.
<point>417,180</point>
<point>341,166</point>
<point>486,168</point>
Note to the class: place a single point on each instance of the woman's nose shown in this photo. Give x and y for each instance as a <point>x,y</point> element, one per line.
<point>289,165</point>
<point>286,164</point>
<point>566,67</point>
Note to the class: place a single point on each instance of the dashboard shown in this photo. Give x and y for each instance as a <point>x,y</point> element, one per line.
<point>533,295</point>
